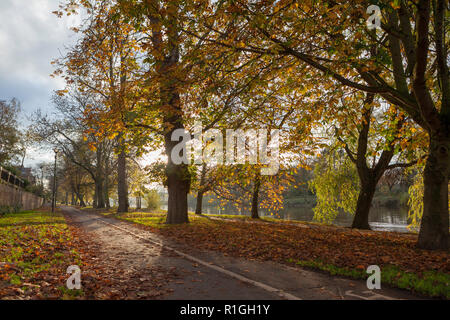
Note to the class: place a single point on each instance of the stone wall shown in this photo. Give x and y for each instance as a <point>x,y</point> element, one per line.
<point>16,197</point>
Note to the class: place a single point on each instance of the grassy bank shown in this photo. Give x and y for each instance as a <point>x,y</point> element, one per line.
<point>35,250</point>
<point>335,250</point>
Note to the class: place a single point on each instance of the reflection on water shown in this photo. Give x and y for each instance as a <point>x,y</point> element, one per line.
<point>380,218</point>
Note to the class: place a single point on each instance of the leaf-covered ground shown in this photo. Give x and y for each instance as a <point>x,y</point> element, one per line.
<point>36,247</point>
<point>108,272</point>
<point>332,249</point>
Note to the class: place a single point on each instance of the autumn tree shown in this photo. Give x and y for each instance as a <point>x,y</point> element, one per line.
<point>410,69</point>
<point>184,79</point>
<point>187,81</point>
<point>74,182</point>
<point>376,138</point>
<point>9,135</point>
<point>80,183</point>
<point>335,184</point>
<point>202,182</point>
<point>137,181</point>
<point>64,131</point>
<point>105,62</point>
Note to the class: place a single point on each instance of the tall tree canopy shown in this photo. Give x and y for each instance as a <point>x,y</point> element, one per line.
<point>9,135</point>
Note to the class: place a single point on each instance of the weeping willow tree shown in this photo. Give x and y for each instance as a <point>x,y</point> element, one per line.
<point>415,201</point>
<point>336,186</point>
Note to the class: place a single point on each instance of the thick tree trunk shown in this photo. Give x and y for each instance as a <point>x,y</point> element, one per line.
<point>198,206</point>
<point>365,197</point>
<point>168,69</point>
<point>178,184</point>
<point>178,175</point>
<point>255,198</point>
<point>435,220</point>
<point>100,203</point>
<point>107,202</point>
<point>434,229</point>
<point>106,184</point>
<point>81,200</point>
<point>122,185</point>
<point>82,203</point>
<point>178,179</point>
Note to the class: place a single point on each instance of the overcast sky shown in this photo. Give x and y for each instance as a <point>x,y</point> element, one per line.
<point>30,38</point>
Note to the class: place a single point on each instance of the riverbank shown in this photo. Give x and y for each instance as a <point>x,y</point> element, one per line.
<point>335,250</point>
<point>389,212</point>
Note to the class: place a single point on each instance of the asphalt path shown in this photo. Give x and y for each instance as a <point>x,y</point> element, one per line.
<point>211,275</point>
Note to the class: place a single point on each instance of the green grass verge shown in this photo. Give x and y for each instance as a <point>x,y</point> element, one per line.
<point>430,283</point>
<point>31,217</point>
<point>156,219</point>
<point>34,242</point>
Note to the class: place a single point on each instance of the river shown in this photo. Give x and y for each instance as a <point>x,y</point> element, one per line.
<point>380,218</point>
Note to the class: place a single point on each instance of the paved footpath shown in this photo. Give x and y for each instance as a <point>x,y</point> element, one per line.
<point>211,275</point>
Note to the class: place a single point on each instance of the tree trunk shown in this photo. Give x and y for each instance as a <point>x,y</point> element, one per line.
<point>178,184</point>
<point>81,200</point>
<point>435,220</point>
<point>122,185</point>
<point>198,206</point>
<point>106,187</point>
<point>138,202</point>
<point>94,200</point>
<point>100,195</point>
<point>368,176</point>
<point>99,178</point>
<point>82,203</point>
<point>390,186</point>
<point>255,198</point>
<point>107,202</point>
<point>106,183</point>
<point>365,197</point>
<point>178,181</point>
<point>178,175</point>
<point>201,189</point>
<point>167,54</point>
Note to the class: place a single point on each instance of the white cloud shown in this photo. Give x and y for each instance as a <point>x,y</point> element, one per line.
<point>31,36</point>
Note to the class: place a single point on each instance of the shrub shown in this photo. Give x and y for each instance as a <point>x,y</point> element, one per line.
<point>152,199</point>
<point>4,210</point>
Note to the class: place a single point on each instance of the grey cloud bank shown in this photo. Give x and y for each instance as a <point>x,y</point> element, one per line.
<point>30,38</point>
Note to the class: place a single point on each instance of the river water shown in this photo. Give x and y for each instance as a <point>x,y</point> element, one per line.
<point>380,218</point>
